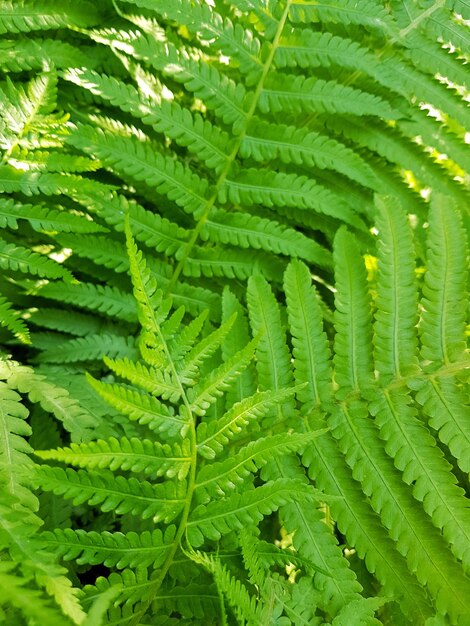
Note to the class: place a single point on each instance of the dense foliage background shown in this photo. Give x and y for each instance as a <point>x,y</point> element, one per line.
<point>233,308</point>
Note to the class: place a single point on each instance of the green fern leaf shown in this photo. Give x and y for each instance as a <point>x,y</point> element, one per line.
<point>104,299</point>
<point>112,549</point>
<point>9,318</point>
<point>205,393</point>
<point>23,17</point>
<point>44,219</point>
<point>20,259</point>
<point>224,476</point>
<point>267,141</point>
<point>273,358</point>
<point>272,189</point>
<point>424,466</point>
<point>18,55</point>
<point>239,510</point>
<point>364,529</point>
<point>416,537</point>
<point>161,502</point>
<point>230,39</point>
<point>141,162</point>
<point>396,317</point>
<point>140,407</point>
<point>444,315</point>
<point>30,603</point>
<point>221,94</point>
<point>212,436</point>
<point>156,232</point>
<point>250,231</point>
<point>91,348</point>
<point>244,385</point>
<point>15,464</point>
<point>157,382</point>
<point>192,601</point>
<point>353,339</point>
<point>446,406</point>
<point>135,455</point>
<point>191,131</point>
<point>364,12</point>
<point>297,94</point>
<point>310,346</point>
<point>52,399</point>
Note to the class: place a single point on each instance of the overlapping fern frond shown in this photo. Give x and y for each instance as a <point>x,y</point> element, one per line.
<point>236,135</point>
<point>170,486</point>
<point>233,240</point>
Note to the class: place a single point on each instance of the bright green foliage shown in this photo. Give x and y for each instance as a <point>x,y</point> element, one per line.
<point>235,136</point>
<point>233,308</point>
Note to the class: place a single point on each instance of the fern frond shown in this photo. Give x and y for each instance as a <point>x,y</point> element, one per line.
<point>396,316</point>
<point>140,161</point>
<point>156,381</point>
<point>30,603</point>
<point>363,528</point>
<point>266,141</point>
<point>203,350</point>
<point>224,476</point>
<point>353,339</point>
<point>273,189</point>
<point>220,517</point>
<point>297,94</point>
<point>161,502</point>
<point>150,458</point>
<point>205,393</point>
<point>273,358</point>
<point>20,259</point>
<point>220,93</point>
<point>112,549</point>
<point>133,585</point>
<point>44,219</point>
<point>443,319</point>
<point>250,231</point>
<point>445,405</point>
<point>424,466</point>
<point>78,324</point>
<point>226,262</point>
<point>104,299</point>
<point>91,348</point>
<point>259,556</point>
<point>52,398</point>
<point>24,17</point>
<point>9,318</point>
<point>15,463</point>
<point>212,436</point>
<point>417,539</point>
<point>192,601</point>
<point>141,407</point>
<point>244,385</point>
<point>365,13</point>
<point>310,346</point>
<point>211,27</point>
<point>156,232</point>
<point>187,130</point>
<point>244,605</point>
<point>19,55</point>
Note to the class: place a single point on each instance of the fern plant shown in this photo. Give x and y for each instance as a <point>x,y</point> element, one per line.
<point>236,135</point>
<point>166,492</point>
<point>392,450</point>
<point>233,303</point>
